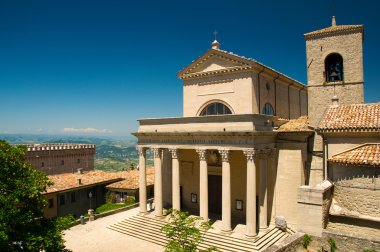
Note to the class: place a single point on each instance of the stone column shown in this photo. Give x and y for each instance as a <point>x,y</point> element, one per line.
<point>203,183</point>
<point>157,182</point>
<point>142,179</point>
<point>226,190</point>
<point>250,154</point>
<point>263,192</point>
<point>175,179</point>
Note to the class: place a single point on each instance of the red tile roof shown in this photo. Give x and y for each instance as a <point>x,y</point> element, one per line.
<point>131,181</point>
<point>69,181</point>
<point>353,117</point>
<point>366,154</point>
<point>299,124</point>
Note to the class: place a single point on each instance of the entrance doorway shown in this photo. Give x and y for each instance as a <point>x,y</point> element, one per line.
<point>215,196</point>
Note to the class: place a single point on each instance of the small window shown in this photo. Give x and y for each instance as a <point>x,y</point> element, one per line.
<point>78,161</point>
<point>62,162</point>
<point>51,203</point>
<point>72,197</point>
<point>215,108</point>
<point>62,200</point>
<point>42,164</point>
<point>268,109</point>
<point>334,68</point>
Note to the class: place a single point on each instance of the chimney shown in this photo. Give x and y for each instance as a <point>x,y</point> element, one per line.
<point>79,181</point>
<point>335,101</point>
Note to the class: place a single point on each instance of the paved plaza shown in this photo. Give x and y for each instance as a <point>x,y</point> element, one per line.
<point>96,237</point>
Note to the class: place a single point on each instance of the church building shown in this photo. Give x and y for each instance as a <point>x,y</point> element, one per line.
<point>254,144</point>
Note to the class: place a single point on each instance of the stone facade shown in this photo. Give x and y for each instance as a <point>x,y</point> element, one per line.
<point>244,85</point>
<point>349,44</point>
<point>61,158</point>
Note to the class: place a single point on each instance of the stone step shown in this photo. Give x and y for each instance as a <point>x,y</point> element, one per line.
<point>208,241</point>
<point>227,237</point>
<point>149,228</point>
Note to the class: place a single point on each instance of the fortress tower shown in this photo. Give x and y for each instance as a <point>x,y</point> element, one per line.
<point>334,58</point>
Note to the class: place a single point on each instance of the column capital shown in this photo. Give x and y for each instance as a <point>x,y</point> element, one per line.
<point>272,152</point>
<point>174,152</point>
<point>264,153</point>
<point>141,150</point>
<point>156,152</point>
<point>201,154</point>
<point>250,154</point>
<point>226,155</point>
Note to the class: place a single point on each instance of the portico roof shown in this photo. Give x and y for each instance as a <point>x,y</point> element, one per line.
<point>209,124</point>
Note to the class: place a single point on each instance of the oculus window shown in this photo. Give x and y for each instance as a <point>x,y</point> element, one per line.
<point>215,108</point>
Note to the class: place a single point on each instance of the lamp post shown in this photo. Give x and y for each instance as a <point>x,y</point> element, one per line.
<point>90,196</point>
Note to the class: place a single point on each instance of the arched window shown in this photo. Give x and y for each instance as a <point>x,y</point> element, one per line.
<point>268,109</point>
<point>215,108</point>
<point>334,67</point>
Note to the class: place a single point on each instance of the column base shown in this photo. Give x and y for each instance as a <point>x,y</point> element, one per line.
<point>226,232</point>
<point>143,213</point>
<point>264,228</point>
<point>251,236</point>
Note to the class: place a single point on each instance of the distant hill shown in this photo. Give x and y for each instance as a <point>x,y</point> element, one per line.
<point>112,153</point>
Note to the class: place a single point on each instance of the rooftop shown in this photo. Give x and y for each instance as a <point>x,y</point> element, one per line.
<point>334,29</point>
<point>69,181</point>
<point>351,118</point>
<point>131,181</point>
<point>366,154</point>
<point>299,124</point>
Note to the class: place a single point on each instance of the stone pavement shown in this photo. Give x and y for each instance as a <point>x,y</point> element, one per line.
<point>96,237</point>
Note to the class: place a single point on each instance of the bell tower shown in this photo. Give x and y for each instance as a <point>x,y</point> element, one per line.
<point>334,58</point>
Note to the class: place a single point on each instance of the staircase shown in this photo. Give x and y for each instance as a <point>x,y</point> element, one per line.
<point>149,229</point>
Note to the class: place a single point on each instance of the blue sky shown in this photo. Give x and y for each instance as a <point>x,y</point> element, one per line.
<point>98,66</point>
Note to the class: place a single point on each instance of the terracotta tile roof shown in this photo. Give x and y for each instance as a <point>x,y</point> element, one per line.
<point>299,124</point>
<point>353,117</point>
<point>131,181</point>
<point>366,154</point>
<point>337,29</point>
<point>68,181</point>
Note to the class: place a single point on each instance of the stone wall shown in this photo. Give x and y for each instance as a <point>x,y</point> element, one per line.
<point>361,195</point>
<point>315,202</point>
<point>350,241</point>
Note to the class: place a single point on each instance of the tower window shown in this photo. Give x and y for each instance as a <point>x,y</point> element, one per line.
<point>42,164</point>
<point>334,67</point>
<point>215,108</point>
<point>268,109</point>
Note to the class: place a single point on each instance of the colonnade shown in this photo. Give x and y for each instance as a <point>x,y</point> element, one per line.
<point>253,156</point>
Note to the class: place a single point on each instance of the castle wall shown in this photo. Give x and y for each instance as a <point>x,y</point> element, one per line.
<point>61,158</point>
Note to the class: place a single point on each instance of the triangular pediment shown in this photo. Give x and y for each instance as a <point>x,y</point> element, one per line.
<point>215,63</point>
<point>214,60</point>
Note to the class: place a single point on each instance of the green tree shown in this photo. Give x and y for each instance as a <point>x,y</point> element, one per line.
<point>183,233</point>
<point>306,241</point>
<point>22,225</point>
